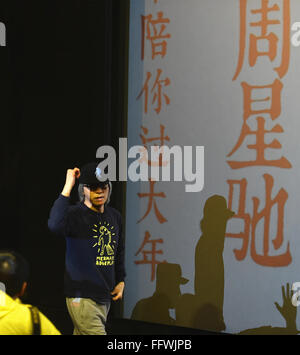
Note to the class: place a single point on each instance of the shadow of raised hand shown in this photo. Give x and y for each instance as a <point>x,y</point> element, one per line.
<point>288,310</point>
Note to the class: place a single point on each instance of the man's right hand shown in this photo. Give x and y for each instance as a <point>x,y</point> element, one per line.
<point>72,175</point>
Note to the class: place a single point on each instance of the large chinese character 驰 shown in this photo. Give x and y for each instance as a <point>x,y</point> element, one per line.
<point>251,223</point>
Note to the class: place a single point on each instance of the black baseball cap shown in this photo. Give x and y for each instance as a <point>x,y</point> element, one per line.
<point>90,174</point>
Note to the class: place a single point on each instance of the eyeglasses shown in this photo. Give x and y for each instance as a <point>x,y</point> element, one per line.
<point>94,187</point>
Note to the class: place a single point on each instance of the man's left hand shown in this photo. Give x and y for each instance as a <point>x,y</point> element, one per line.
<point>118,291</point>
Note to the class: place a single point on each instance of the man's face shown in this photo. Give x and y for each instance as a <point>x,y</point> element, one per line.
<point>97,194</point>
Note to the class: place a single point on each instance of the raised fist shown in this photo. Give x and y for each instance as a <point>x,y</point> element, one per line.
<point>71,176</point>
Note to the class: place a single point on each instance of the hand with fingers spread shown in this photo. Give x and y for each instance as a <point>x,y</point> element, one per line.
<point>287,310</point>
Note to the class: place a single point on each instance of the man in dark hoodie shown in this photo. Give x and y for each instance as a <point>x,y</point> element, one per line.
<point>95,268</point>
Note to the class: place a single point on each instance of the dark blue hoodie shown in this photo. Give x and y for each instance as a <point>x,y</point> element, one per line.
<point>94,248</point>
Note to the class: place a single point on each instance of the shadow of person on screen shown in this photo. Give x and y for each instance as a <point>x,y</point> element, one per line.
<point>204,309</point>
<point>156,309</point>
<point>288,311</point>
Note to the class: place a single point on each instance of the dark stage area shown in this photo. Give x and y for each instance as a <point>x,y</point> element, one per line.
<point>63,95</point>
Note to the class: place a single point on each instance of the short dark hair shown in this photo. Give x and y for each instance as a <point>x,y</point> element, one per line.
<point>14,271</point>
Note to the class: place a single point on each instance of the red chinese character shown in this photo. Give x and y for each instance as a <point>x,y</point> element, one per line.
<point>272,103</point>
<point>152,253</point>
<point>152,202</point>
<point>273,109</point>
<point>265,214</point>
<point>153,30</point>
<point>265,37</point>
<point>251,223</point>
<point>240,254</point>
<point>156,91</point>
<point>162,138</point>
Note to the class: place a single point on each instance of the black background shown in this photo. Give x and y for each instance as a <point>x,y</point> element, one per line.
<point>63,94</point>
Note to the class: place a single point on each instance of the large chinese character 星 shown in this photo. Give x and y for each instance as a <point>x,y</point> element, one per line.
<point>272,107</point>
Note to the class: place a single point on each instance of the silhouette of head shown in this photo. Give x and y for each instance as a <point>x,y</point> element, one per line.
<point>215,216</point>
<point>168,282</point>
<point>14,272</point>
<point>216,205</point>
